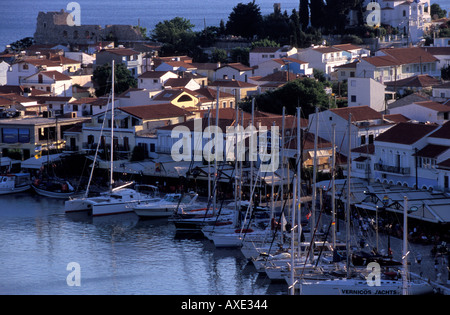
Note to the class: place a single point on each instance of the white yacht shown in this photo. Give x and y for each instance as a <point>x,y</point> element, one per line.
<point>166,206</point>
<point>118,200</point>
<point>360,287</point>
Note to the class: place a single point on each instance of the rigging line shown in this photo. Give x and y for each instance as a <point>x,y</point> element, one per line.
<point>96,150</point>
<point>297,164</point>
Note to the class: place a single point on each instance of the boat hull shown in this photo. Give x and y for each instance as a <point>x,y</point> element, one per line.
<point>147,213</point>
<point>7,191</point>
<point>360,287</point>
<point>53,194</point>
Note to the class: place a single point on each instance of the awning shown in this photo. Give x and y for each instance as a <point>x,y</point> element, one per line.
<point>34,163</point>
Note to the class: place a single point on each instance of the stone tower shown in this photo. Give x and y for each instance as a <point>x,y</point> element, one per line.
<point>52,28</point>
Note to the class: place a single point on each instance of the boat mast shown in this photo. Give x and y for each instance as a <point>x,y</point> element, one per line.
<point>348,196</point>
<point>251,148</point>
<point>282,158</point>
<point>314,190</point>
<point>216,151</point>
<point>112,130</point>
<point>405,246</point>
<point>292,287</point>
<point>333,188</point>
<point>236,124</point>
<point>298,192</point>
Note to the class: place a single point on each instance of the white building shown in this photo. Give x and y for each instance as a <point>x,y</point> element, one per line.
<point>366,125</point>
<point>259,55</point>
<point>366,91</point>
<point>398,63</point>
<point>322,58</point>
<point>395,152</point>
<point>425,111</point>
<point>234,71</point>
<point>411,17</point>
<point>283,64</point>
<point>4,67</point>
<point>155,80</point>
<point>54,82</point>
<point>25,68</point>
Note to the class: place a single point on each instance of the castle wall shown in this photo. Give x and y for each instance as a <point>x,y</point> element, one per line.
<point>52,28</point>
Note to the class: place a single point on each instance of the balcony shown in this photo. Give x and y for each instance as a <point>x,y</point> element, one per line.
<point>393,169</point>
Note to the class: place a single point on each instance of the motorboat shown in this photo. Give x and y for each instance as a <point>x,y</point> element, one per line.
<point>119,200</point>
<point>166,206</point>
<point>14,183</point>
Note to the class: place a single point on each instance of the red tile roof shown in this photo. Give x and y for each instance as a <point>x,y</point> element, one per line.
<point>153,74</point>
<point>431,151</point>
<point>237,65</point>
<point>443,132</point>
<point>158,111</point>
<point>57,76</point>
<point>434,106</point>
<point>421,80</point>
<point>410,55</point>
<point>444,164</point>
<point>232,83</point>
<point>406,133</point>
<point>359,113</point>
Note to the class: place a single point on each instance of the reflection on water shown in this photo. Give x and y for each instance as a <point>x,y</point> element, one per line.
<point>117,255</point>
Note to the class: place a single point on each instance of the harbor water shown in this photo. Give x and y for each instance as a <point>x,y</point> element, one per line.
<point>115,255</point>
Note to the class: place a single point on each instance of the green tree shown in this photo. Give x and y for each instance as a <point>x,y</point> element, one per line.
<point>275,27</point>
<point>244,20</point>
<point>304,14</point>
<point>264,43</point>
<point>176,35</point>
<point>142,30</point>
<point>240,54</point>
<point>219,55</point>
<point>317,9</point>
<point>438,11</point>
<point>306,93</point>
<point>102,79</point>
<point>22,44</point>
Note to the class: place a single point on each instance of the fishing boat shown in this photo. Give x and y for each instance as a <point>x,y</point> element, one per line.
<point>54,188</point>
<point>165,207</point>
<point>14,183</point>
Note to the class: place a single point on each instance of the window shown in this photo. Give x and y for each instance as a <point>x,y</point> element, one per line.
<point>353,82</point>
<point>15,135</point>
<point>353,98</point>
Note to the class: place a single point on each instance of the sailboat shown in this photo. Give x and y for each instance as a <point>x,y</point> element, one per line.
<point>364,284</point>
<point>118,199</point>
